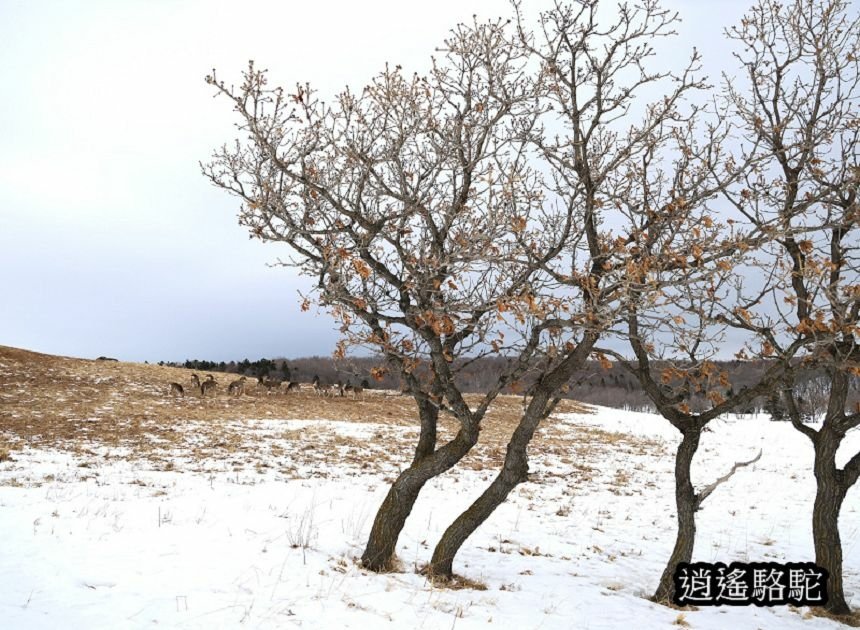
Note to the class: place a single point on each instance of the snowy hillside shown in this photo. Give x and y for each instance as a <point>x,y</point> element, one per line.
<point>100,539</point>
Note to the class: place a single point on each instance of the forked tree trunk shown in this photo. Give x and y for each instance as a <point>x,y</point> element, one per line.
<point>380,551</point>
<point>829,494</point>
<point>685,504</point>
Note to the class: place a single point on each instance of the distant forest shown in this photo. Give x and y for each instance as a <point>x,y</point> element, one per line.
<point>610,387</point>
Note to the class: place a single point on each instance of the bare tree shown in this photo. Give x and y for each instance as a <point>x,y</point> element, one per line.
<point>405,203</point>
<point>674,341</point>
<point>435,242</point>
<point>608,206</point>
<point>796,103</point>
<point>784,269</point>
<point>781,270</point>
<point>512,204</point>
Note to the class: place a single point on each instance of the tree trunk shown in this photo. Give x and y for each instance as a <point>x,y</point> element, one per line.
<point>829,494</point>
<point>379,553</point>
<point>685,503</point>
<point>516,467</point>
<point>514,471</point>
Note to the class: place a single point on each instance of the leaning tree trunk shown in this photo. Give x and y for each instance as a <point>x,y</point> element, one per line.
<point>516,467</point>
<point>395,509</point>
<point>829,494</point>
<point>514,471</point>
<point>379,553</point>
<point>685,503</point>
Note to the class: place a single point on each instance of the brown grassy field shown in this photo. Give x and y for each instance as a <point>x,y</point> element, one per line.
<point>108,409</point>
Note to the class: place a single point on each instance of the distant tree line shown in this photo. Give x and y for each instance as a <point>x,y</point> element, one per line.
<point>609,386</point>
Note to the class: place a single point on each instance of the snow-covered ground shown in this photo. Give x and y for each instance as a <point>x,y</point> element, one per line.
<point>121,544</point>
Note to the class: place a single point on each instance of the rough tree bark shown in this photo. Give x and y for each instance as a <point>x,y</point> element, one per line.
<point>515,468</point>
<point>686,505</point>
<point>832,484</point>
<point>829,494</point>
<point>379,552</point>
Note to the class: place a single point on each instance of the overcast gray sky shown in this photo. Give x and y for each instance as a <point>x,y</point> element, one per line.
<point>111,242</point>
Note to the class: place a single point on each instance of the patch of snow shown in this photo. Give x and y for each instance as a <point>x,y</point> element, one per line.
<point>120,543</point>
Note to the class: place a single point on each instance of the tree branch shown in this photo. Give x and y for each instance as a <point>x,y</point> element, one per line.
<point>707,490</point>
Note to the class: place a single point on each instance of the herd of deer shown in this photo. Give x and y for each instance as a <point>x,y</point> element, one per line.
<point>272,386</point>
<point>340,388</point>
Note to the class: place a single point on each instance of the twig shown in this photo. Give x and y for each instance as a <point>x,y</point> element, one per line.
<point>707,490</point>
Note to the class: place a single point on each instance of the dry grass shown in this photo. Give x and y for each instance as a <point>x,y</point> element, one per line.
<point>852,620</point>
<point>452,582</point>
<point>125,410</point>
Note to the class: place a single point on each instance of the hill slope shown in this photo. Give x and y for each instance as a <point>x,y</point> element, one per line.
<point>126,410</point>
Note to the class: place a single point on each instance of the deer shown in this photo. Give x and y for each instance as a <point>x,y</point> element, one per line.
<point>355,389</point>
<point>237,387</point>
<point>208,384</point>
<point>293,385</point>
<point>269,383</point>
<point>321,390</point>
<point>176,388</point>
<point>195,381</point>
